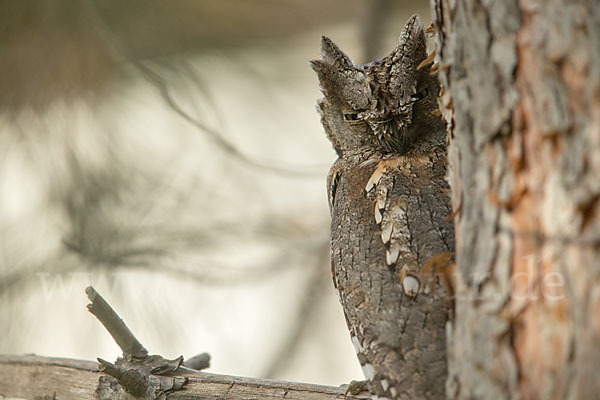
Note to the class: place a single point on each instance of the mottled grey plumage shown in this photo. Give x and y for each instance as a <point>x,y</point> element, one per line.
<point>389,203</point>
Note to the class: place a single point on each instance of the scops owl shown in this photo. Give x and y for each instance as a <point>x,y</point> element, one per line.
<point>390,231</point>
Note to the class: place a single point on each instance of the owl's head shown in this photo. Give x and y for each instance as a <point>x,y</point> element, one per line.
<point>384,106</point>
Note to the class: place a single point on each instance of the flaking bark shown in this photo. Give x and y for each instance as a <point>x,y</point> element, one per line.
<point>521,93</point>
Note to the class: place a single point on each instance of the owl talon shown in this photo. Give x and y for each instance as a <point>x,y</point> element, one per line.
<point>354,388</point>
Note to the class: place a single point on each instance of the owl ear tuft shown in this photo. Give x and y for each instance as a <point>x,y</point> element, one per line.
<point>323,70</point>
<point>405,58</point>
<point>340,78</point>
<point>332,53</point>
<point>411,33</point>
<point>319,66</point>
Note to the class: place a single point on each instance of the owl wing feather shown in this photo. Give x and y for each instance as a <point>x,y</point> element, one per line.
<point>385,227</point>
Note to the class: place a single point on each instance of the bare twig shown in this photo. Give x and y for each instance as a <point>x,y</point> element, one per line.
<point>137,373</point>
<point>114,325</point>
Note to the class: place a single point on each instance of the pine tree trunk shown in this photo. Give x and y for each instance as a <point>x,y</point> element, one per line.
<point>522,97</point>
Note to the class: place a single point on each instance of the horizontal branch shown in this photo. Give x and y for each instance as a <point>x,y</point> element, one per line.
<point>30,376</point>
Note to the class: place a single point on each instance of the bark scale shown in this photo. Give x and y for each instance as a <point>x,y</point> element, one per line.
<point>521,94</point>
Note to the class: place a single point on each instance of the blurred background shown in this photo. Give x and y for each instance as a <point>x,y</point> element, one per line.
<point>171,155</point>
